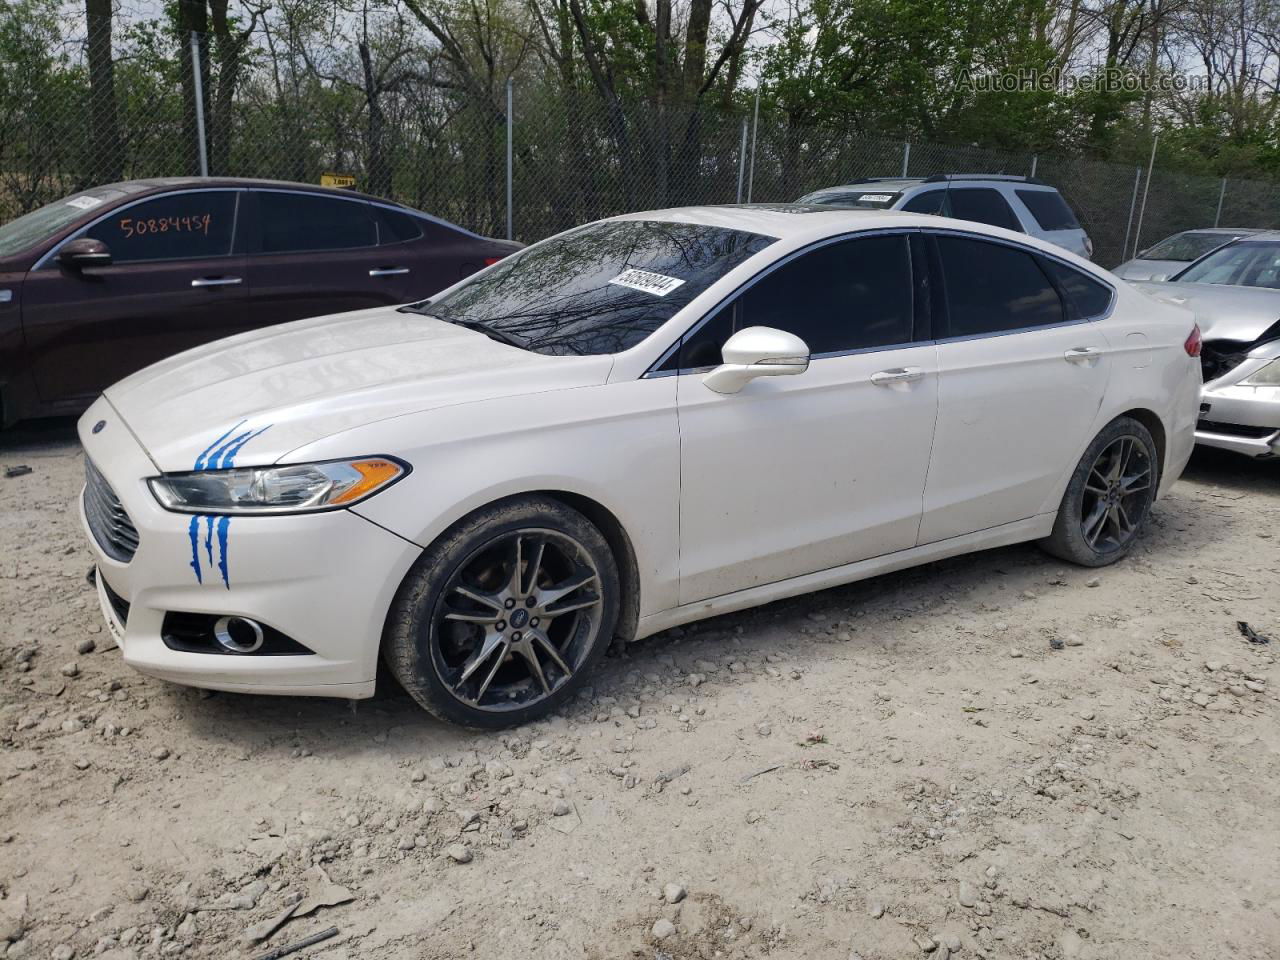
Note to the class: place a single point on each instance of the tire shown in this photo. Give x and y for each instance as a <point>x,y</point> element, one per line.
<point>1103,512</point>
<point>478,645</point>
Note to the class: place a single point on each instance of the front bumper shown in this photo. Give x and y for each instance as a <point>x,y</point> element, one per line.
<point>1243,419</point>
<point>326,580</point>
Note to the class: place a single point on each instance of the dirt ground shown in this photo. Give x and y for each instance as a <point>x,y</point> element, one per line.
<point>901,767</point>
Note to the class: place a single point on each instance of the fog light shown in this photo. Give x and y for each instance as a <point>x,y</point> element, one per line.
<point>238,634</point>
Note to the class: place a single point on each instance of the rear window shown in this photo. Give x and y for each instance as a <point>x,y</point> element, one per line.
<point>1049,209</point>
<point>1186,247</point>
<point>602,288</point>
<point>862,199</point>
<point>982,205</point>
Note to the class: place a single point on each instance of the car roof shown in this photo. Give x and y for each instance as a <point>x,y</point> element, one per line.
<point>903,183</point>
<point>149,185</point>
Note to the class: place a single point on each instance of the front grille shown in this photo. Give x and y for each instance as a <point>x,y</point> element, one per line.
<point>1235,429</point>
<point>111,526</point>
<point>119,605</point>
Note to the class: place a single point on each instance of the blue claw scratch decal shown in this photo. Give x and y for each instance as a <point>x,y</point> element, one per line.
<point>219,455</point>
<point>194,532</point>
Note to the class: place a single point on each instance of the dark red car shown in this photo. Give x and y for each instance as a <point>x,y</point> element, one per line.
<point>107,281</point>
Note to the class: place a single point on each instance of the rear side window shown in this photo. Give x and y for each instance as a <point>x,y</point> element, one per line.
<point>1049,209</point>
<point>931,201</point>
<point>1086,297</point>
<point>851,295</point>
<point>396,227</point>
<point>182,226</point>
<point>994,288</point>
<point>293,222</point>
<point>982,205</point>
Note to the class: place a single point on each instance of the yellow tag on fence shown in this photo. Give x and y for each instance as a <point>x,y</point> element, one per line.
<point>337,180</point>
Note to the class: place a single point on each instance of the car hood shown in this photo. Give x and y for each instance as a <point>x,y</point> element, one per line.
<point>1149,269</point>
<point>1224,312</point>
<point>251,399</point>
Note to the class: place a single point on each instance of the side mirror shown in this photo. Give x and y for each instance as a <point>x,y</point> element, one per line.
<point>757,352</point>
<point>84,252</point>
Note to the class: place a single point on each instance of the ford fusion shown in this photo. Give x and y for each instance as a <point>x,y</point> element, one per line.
<point>632,425</point>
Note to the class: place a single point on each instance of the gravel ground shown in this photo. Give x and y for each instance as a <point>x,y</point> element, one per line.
<point>994,756</point>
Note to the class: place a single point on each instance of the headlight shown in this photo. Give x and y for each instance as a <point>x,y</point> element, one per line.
<point>1268,376</point>
<point>295,488</point>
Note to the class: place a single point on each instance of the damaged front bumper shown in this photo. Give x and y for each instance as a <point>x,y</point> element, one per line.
<point>1236,413</point>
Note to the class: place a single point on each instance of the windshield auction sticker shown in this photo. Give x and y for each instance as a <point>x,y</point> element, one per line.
<point>655,283</point>
<point>84,203</point>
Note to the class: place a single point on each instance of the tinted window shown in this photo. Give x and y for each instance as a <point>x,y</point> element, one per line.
<point>42,223</point>
<point>991,287</point>
<point>930,201</point>
<point>982,205</point>
<point>181,226</point>
<point>1086,297</point>
<point>396,227</point>
<point>299,221</point>
<point>601,288</point>
<point>1244,263</point>
<point>1049,209</point>
<point>844,296</point>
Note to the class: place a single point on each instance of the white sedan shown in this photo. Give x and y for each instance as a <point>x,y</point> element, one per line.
<point>632,425</point>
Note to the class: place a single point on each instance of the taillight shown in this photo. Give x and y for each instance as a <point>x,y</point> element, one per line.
<point>1193,344</point>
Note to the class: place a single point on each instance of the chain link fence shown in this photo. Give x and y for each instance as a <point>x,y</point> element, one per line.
<point>121,103</point>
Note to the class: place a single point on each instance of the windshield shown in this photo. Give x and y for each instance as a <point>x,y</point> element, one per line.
<point>599,289</point>
<point>1243,264</point>
<point>42,223</point>
<point>1186,246</point>
<point>862,199</point>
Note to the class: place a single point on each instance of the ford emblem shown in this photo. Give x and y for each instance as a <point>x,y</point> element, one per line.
<point>97,427</point>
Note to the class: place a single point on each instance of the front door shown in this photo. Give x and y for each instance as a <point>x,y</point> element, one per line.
<point>802,473</point>
<point>173,284</point>
<point>1021,378</point>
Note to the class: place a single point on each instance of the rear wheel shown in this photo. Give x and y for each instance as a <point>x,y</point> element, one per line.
<point>500,619</point>
<point>1109,497</point>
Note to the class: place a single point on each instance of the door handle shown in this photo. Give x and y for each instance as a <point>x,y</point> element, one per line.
<point>1078,354</point>
<point>388,271</point>
<point>887,378</point>
<point>216,281</point>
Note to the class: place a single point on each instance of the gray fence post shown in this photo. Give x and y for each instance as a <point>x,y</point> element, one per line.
<point>1035,159</point>
<point>199,91</point>
<point>1222,195</point>
<point>742,160</point>
<point>1142,211</point>
<point>511,235</point>
<point>755,132</point>
<point>906,158</point>
<point>1133,205</point>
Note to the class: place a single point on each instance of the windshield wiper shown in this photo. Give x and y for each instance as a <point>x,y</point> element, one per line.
<point>492,332</point>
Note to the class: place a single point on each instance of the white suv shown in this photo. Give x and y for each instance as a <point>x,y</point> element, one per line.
<point>1023,204</point>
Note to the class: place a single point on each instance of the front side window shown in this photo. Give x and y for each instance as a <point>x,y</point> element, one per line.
<point>301,222</point>
<point>930,201</point>
<point>1246,263</point>
<point>982,205</point>
<point>851,295</point>
<point>180,226</point>
<point>994,288</point>
<point>599,289</point>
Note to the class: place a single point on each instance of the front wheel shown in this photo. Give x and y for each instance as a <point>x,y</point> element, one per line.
<point>1109,497</point>
<point>499,620</point>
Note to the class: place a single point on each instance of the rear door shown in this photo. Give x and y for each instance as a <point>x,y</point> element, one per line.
<point>1022,371</point>
<point>312,254</point>
<point>173,283</point>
